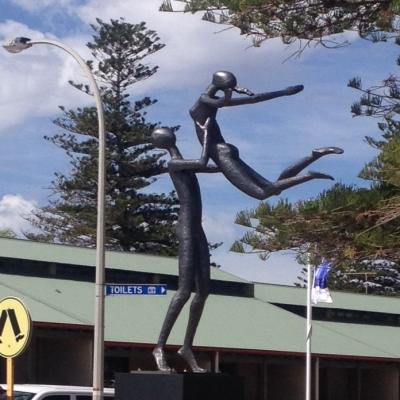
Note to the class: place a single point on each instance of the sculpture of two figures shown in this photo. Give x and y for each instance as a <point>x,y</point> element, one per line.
<point>194,258</point>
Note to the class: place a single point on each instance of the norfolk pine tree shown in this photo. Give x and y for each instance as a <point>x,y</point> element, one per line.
<point>136,220</point>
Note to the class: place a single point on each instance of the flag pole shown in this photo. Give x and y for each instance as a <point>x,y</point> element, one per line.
<point>309,329</point>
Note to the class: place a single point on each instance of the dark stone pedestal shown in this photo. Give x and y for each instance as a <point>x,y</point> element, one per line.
<point>175,386</point>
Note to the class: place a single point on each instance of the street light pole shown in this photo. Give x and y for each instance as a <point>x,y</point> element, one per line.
<point>15,46</point>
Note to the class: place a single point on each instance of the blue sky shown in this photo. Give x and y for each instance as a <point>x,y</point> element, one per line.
<point>269,135</point>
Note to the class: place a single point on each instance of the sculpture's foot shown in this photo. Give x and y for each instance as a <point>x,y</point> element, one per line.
<point>188,356</point>
<point>161,361</point>
<point>320,175</point>
<point>323,151</point>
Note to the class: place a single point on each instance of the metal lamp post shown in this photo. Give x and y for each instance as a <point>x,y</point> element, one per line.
<point>15,46</point>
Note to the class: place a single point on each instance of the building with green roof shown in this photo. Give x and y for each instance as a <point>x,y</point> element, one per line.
<point>249,329</point>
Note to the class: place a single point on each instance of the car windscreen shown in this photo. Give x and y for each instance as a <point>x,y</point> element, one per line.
<point>23,395</point>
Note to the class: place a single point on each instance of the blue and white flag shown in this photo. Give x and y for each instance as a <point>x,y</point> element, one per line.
<point>320,291</point>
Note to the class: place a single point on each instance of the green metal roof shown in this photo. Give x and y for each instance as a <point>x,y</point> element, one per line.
<point>228,322</point>
<point>28,250</point>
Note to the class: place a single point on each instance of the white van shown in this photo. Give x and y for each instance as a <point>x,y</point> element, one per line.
<point>55,392</point>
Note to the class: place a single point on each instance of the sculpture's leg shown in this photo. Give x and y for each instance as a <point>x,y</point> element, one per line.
<point>186,280</point>
<point>252,183</point>
<point>283,184</point>
<point>202,282</point>
<point>295,168</point>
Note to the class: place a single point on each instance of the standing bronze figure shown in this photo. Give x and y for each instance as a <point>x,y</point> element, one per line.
<point>194,258</point>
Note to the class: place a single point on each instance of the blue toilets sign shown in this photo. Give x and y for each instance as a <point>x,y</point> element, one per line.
<point>113,289</point>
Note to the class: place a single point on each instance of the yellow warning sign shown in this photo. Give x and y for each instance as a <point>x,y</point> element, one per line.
<point>15,327</point>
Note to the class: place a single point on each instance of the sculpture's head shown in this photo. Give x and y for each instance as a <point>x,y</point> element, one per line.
<point>163,138</point>
<point>224,80</point>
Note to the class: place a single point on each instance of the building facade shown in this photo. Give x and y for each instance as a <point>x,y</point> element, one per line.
<point>256,331</point>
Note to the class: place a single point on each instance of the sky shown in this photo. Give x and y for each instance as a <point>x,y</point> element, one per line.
<point>269,135</point>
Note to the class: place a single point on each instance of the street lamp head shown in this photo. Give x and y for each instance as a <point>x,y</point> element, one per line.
<point>17,45</point>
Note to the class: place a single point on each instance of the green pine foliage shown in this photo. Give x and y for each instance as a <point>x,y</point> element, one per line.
<point>306,20</point>
<point>345,216</point>
<point>136,219</point>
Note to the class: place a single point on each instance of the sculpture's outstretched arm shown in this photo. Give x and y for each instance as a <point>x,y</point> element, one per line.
<point>228,101</point>
<point>257,98</point>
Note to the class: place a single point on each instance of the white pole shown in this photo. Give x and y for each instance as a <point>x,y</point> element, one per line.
<point>309,331</point>
<point>98,350</point>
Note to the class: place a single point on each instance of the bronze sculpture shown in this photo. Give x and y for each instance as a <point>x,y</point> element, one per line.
<point>194,259</point>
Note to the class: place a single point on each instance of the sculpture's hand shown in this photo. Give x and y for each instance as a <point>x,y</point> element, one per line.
<point>240,90</point>
<point>293,89</point>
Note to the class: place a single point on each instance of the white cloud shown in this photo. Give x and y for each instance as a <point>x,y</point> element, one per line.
<point>35,81</point>
<point>220,227</point>
<point>14,210</point>
<point>194,49</point>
